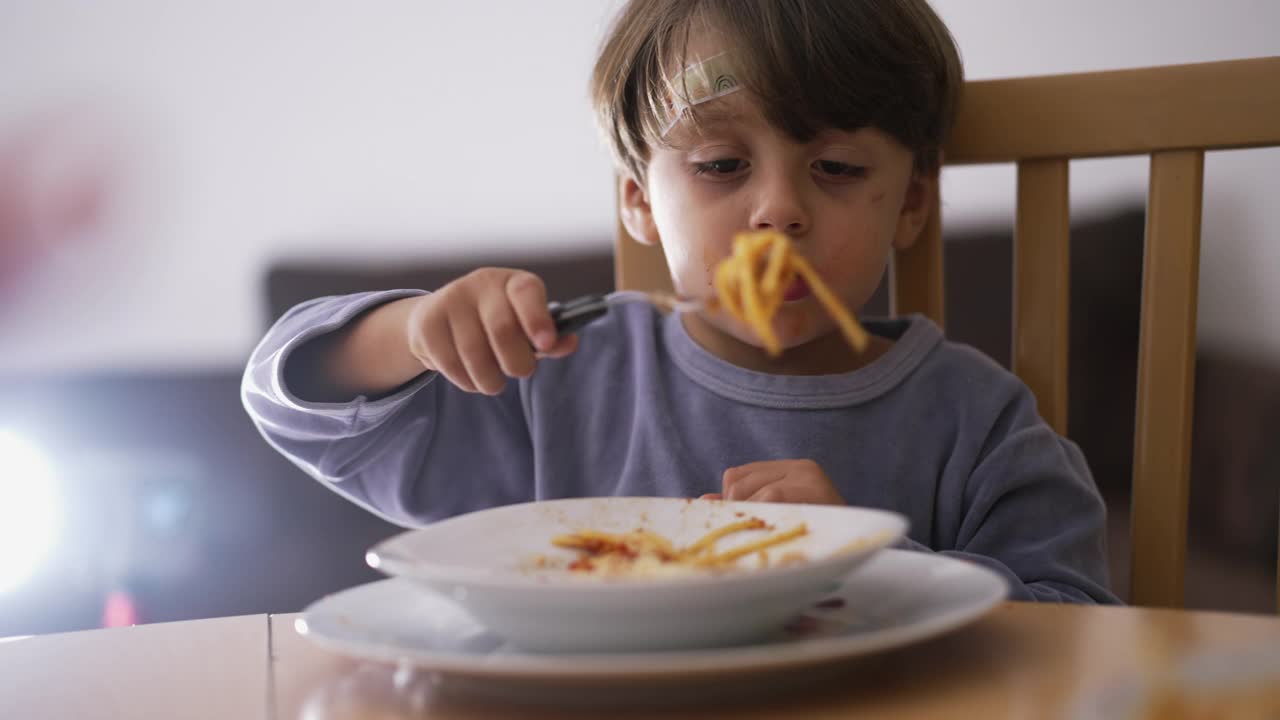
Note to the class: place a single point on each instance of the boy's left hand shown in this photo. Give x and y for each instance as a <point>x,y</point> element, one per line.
<point>780,481</point>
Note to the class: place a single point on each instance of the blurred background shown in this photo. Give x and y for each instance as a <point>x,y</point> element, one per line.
<point>173,175</point>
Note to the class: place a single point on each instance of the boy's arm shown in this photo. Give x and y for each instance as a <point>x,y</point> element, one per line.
<point>478,331</point>
<point>1032,512</point>
<point>366,356</point>
<point>375,450</point>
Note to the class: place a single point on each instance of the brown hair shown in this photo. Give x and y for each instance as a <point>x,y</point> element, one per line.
<point>814,64</point>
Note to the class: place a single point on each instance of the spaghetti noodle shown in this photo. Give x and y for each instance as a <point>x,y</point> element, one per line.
<point>751,285</point>
<point>641,552</point>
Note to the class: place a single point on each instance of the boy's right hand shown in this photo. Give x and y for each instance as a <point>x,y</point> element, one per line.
<point>484,328</point>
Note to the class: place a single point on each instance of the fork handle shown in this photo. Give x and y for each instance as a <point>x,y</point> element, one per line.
<point>572,315</point>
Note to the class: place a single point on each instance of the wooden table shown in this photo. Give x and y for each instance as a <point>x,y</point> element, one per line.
<point>1022,660</point>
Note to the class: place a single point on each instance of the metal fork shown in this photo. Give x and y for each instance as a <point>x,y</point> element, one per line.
<point>572,315</point>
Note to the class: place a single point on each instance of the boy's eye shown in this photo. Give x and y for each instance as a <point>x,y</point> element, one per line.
<point>725,166</point>
<point>840,169</point>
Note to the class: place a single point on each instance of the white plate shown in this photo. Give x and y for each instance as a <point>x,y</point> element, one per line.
<point>898,597</point>
<point>485,562</point>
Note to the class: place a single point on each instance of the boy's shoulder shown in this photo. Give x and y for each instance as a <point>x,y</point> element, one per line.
<point>956,362</point>
<point>939,359</point>
<point>951,373</point>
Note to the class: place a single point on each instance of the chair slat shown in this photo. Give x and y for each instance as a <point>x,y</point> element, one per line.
<point>638,267</point>
<point>1217,105</point>
<point>1041,285</point>
<point>1166,368</point>
<point>916,275</point>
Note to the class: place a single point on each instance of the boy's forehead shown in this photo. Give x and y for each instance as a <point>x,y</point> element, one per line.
<point>707,96</point>
<point>742,113</point>
<point>704,41</point>
<point>708,79</point>
<point>729,109</point>
<point>721,114</point>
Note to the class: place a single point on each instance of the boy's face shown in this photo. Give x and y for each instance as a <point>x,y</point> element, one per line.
<point>846,199</point>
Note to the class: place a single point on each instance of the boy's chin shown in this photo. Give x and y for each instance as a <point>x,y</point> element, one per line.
<point>790,335</point>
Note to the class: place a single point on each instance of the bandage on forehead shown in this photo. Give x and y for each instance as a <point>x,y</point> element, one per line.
<point>699,83</point>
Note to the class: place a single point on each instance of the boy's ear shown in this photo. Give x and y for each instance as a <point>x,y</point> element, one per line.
<point>922,188</point>
<point>637,216</point>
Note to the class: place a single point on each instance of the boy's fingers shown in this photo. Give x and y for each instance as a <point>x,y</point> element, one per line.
<point>565,345</point>
<point>742,485</point>
<point>430,335</point>
<point>444,358</point>
<point>769,493</point>
<point>506,337</point>
<point>735,473</point>
<point>528,297</point>
<point>454,372</point>
<point>472,345</point>
<point>711,496</point>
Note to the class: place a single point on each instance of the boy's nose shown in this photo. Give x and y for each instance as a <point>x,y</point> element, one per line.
<point>780,207</point>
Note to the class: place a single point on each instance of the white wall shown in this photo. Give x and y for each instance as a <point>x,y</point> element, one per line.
<point>256,130</point>
<point>270,129</point>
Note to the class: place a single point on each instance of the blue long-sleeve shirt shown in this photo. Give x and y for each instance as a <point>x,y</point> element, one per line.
<point>932,429</point>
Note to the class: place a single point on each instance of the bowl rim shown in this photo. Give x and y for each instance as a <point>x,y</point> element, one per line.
<point>384,557</point>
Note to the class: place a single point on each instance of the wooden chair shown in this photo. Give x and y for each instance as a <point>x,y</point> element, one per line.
<point>1174,114</point>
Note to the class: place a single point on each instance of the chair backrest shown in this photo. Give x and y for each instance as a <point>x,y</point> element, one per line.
<point>1174,114</point>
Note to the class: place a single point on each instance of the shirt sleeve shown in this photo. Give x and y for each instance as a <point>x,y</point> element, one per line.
<point>426,452</point>
<point>1032,513</point>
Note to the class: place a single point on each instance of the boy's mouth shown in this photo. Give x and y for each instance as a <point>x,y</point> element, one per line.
<point>797,290</point>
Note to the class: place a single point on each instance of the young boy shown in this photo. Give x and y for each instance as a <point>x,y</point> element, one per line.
<point>822,119</point>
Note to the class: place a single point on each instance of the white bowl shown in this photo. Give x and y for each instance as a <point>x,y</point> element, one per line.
<point>485,561</point>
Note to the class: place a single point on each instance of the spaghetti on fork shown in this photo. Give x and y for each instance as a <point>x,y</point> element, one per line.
<point>751,285</point>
